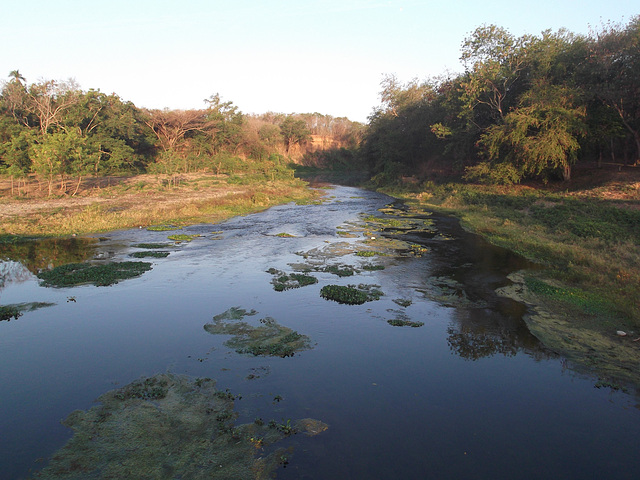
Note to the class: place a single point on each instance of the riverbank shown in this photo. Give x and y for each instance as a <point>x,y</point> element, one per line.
<point>143,200</point>
<point>584,301</point>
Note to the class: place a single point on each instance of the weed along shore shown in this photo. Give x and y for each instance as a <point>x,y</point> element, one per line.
<point>583,288</point>
<point>144,200</point>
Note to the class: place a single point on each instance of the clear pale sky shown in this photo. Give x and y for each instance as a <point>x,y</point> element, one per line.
<point>325,56</point>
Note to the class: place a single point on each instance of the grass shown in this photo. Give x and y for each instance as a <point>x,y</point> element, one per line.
<point>115,207</point>
<point>585,242</point>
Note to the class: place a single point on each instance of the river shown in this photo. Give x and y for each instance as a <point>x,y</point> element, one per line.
<point>466,392</point>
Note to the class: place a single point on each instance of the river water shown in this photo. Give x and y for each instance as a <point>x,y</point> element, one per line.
<point>469,394</point>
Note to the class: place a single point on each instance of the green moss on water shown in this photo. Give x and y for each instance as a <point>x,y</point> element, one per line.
<point>284,235</point>
<point>403,322</point>
<point>151,246</point>
<point>73,274</point>
<point>282,281</point>
<point>170,426</point>
<point>266,339</point>
<point>351,294</point>
<point>152,254</point>
<point>182,237</point>
<point>366,253</point>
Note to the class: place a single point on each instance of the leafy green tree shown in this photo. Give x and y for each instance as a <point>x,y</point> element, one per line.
<point>539,136</point>
<point>294,132</point>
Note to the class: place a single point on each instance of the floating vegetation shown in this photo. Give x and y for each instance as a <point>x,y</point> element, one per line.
<point>182,237</point>
<point>7,312</point>
<point>404,322</point>
<point>170,426</point>
<point>344,234</point>
<point>351,294</point>
<point>372,267</point>
<point>345,271</point>
<point>402,302</point>
<point>284,235</point>
<point>282,281</point>
<point>73,274</point>
<point>268,339</point>
<point>152,253</point>
<point>366,253</point>
<point>234,313</point>
<point>162,228</point>
<point>151,246</point>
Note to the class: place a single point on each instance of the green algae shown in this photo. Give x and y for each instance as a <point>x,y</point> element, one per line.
<point>151,246</point>
<point>351,294</point>
<point>73,274</point>
<point>152,254</point>
<point>403,322</point>
<point>15,310</point>
<point>285,235</point>
<point>267,339</point>
<point>282,281</point>
<point>170,426</point>
<point>182,237</point>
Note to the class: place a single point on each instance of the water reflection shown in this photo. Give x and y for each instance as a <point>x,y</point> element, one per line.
<point>45,253</point>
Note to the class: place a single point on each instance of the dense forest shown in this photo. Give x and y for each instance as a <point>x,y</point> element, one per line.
<point>529,106</point>
<point>525,107</point>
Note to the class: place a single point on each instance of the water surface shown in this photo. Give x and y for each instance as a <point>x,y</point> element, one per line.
<point>470,394</point>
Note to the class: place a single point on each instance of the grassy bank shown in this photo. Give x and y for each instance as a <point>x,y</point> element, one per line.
<point>586,241</point>
<point>146,200</point>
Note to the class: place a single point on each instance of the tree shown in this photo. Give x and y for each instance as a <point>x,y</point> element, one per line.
<point>294,132</point>
<point>614,70</point>
<point>540,135</point>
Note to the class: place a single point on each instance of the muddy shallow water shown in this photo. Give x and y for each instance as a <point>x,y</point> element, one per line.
<point>466,392</point>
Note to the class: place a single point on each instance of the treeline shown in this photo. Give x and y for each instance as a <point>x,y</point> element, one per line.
<point>525,107</point>
<point>58,134</point>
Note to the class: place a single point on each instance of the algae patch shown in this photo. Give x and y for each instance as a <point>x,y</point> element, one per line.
<point>351,294</point>
<point>169,426</point>
<point>150,253</point>
<point>267,339</point>
<point>73,274</point>
<point>282,281</point>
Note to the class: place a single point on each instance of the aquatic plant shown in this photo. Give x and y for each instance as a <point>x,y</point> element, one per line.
<point>402,302</point>
<point>169,426</point>
<point>182,237</point>
<point>372,267</point>
<point>162,228</point>
<point>403,322</point>
<point>366,253</point>
<point>285,235</point>
<point>151,246</point>
<point>153,254</point>
<point>351,295</point>
<point>268,339</point>
<point>282,281</point>
<point>346,271</point>
<point>73,274</point>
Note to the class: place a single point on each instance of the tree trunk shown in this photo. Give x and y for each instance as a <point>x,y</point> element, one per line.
<point>566,173</point>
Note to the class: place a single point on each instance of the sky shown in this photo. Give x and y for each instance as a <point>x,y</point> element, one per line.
<point>289,56</point>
